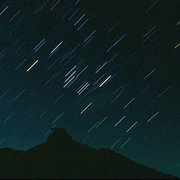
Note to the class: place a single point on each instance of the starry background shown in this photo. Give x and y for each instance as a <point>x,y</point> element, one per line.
<point>107,71</point>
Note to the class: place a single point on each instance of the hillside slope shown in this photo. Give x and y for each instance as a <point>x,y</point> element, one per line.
<point>62,157</point>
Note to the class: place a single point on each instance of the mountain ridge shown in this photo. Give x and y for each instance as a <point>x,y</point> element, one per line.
<point>60,157</point>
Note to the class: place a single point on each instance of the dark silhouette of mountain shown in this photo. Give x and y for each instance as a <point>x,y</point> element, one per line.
<point>62,157</point>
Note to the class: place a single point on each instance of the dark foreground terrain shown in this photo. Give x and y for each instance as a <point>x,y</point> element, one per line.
<point>62,157</point>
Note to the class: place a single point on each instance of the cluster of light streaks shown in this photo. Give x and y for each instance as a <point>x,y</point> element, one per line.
<point>103,72</point>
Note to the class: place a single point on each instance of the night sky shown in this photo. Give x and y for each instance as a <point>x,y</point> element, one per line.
<point>107,71</point>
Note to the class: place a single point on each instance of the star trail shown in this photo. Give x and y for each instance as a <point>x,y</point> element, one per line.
<point>107,71</point>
